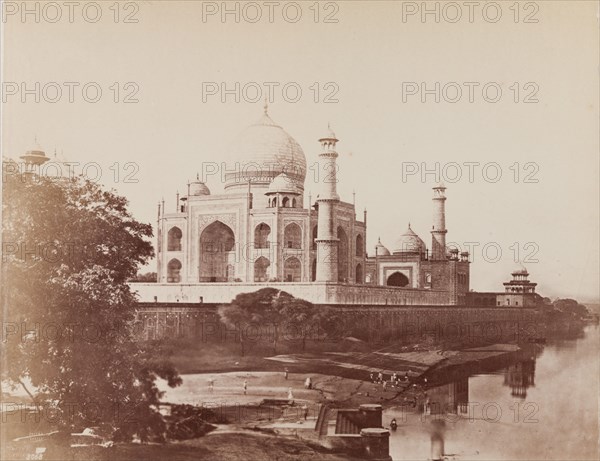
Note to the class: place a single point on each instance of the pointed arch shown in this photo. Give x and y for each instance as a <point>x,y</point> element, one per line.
<point>397,279</point>
<point>174,239</point>
<point>294,203</point>
<point>285,203</point>
<point>217,242</point>
<point>174,271</point>
<point>261,235</point>
<point>342,254</point>
<point>292,270</point>
<point>261,269</point>
<point>359,274</point>
<point>292,236</point>
<point>360,245</point>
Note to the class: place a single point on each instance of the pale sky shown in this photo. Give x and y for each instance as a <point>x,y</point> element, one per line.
<point>369,55</point>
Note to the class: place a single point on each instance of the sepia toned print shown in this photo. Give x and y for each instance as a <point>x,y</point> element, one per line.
<point>309,230</point>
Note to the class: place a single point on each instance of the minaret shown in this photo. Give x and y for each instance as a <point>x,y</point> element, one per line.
<point>438,232</point>
<point>327,241</point>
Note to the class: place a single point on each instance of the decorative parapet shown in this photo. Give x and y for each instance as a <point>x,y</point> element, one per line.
<point>315,292</point>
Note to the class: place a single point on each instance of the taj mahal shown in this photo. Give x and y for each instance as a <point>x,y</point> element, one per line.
<point>264,231</point>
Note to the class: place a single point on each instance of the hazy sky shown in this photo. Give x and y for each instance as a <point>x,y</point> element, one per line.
<point>367,65</point>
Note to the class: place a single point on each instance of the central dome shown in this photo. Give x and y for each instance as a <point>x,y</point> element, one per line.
<point>260,153</point>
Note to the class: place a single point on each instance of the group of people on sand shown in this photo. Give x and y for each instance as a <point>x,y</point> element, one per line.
<point>395,379</point>
<point>308,384</point>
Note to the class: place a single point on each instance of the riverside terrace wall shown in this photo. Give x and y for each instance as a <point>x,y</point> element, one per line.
<point>315,292</point>
<point>372,323</point>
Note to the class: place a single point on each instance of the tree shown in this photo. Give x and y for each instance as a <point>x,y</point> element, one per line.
<point>256,309</point>
<point>293,317</point>
<point>148,277</point>
<point>304,320</point>
<point>571,307</point>
<point>68,249</point>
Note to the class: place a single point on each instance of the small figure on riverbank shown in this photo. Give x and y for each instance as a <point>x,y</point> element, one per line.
<point>245,386</point>
<point>211,385</point>
<point>308,383</point>
<point>285,374</point>
<point>371,377</point>
<point>290,395</point>
<point>380,377</point>
<point>305,411</point>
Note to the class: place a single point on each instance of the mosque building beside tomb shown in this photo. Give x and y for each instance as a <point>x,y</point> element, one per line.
<point>263,230</point>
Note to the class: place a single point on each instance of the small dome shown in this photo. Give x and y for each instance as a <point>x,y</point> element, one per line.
<point>519,270</point>
<point>39,153</point>
<point>381,250</point>
<point>197,187</point>
<point>282,183</point>
<point>35,155</point>
<point>409,242</point>
<point>330,134</point>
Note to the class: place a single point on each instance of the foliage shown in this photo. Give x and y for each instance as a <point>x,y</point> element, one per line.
<point>68,249</point>
<point>148,277</point>
<point>570,307</point>
<point>278,313</point>
<point>188,422</point>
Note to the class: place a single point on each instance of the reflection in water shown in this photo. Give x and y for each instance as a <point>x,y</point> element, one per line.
<point>507,407</point>
<point>519,377</point>
<point>437,439</point>
<point>450,398</point>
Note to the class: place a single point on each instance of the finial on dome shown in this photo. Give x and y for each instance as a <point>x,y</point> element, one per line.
<point>266,106</point>
<point>197,177</point>
<point>330,131</point>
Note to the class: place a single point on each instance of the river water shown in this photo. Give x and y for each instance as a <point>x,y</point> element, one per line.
<point>541,405</point>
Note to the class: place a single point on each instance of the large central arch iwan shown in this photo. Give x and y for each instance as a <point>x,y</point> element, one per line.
<point>217,253</point>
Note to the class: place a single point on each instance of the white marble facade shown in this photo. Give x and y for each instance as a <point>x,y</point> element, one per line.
<point>259,229</point>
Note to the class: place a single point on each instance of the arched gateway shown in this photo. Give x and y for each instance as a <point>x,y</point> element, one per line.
<point>217,253</point>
